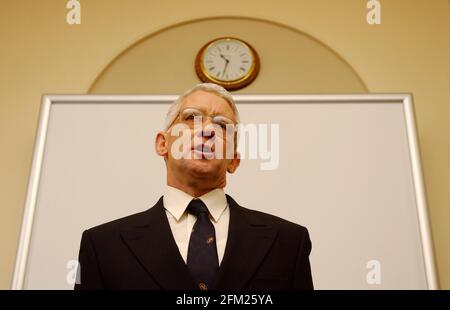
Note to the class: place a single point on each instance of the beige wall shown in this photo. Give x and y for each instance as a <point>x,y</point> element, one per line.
<point>40,53</point>
<point>292,61</point>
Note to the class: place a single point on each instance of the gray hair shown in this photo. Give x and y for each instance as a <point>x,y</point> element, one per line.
<point>175,107</point>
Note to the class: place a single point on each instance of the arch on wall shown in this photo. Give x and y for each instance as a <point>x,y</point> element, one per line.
<point>336,77</point>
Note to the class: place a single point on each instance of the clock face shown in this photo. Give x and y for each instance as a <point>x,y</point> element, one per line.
<point>227,60</point>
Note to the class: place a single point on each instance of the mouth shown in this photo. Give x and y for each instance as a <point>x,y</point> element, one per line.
<point>204,150</point>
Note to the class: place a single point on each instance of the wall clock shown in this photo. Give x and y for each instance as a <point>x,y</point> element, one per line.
<point>229,62</point>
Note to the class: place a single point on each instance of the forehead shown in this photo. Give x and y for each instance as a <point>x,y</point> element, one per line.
<point>208,102</point>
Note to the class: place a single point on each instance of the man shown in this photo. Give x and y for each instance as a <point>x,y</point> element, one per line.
<point>196,236</point>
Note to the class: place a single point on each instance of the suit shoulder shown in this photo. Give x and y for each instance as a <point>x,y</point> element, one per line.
<point>137,219</point>
<point>261,218</point>
<point>273,220</point>
<point>121,224</point>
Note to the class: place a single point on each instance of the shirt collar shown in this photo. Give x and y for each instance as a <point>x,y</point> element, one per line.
<point>176,202</point>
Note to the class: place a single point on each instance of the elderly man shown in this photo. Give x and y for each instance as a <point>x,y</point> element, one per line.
<point>196,236</point>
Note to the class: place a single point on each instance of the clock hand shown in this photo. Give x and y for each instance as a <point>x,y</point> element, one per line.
<point>226,60</point>
<point>225,68</point>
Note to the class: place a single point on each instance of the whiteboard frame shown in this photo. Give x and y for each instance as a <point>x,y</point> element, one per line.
<point>404,99</point>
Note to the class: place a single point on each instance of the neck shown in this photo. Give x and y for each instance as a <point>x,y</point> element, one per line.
<point>195,188</point>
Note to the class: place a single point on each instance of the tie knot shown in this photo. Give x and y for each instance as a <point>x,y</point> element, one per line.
<point>196,207</point>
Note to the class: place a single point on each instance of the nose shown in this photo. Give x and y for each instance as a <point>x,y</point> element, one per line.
<point>208,130</point>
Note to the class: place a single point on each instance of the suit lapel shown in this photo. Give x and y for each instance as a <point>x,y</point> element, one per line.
<point>249,240</point>
<point>153,245</point>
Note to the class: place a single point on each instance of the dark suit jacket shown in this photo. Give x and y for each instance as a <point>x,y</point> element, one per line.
<point>139,252</point>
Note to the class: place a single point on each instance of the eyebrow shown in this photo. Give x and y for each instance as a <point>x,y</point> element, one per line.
<point>204,112</point>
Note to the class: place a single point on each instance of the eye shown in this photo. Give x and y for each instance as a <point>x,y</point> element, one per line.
<point>222,122</point>
<point>189,117</point>
<point>190,114</point>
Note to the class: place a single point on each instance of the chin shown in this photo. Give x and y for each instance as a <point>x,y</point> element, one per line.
<point>200,166</point>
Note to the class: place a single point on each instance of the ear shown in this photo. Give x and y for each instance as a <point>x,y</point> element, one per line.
<point>234,163</point>
<point>161,142</point>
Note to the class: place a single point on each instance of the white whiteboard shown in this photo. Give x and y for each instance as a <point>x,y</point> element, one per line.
<point>349,170</point>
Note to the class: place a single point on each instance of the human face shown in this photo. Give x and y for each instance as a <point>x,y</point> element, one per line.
<point>197,165</point>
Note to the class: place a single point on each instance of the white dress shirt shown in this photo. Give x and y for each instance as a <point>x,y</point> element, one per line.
<point>181,222</point>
